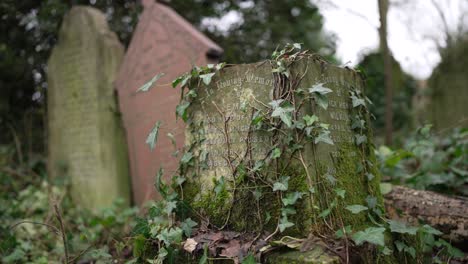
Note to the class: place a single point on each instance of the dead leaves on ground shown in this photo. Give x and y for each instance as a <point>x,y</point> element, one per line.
<point>237,246</point>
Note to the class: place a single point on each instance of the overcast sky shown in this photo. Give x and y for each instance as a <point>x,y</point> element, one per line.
<point>412,29</point>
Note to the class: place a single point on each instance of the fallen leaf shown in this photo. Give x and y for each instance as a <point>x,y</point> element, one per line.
<point>190,245</point>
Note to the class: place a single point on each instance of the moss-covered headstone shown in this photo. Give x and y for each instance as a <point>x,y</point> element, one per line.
<point>86,139</point>
<point>282,150</point>
<point>448,106</point>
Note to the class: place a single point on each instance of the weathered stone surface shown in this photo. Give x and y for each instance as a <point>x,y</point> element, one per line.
<point>221,117</point>
<point>86,139</point>
<point>163,42</point>
<point>448,89</point>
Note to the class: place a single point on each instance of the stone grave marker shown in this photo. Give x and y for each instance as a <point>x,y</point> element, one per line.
<point>86,138</point>
<point>448,91</point>
<point>163,42</point>
<point>224,141</point>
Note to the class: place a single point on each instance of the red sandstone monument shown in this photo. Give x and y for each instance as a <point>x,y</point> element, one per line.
<point>163,42</point>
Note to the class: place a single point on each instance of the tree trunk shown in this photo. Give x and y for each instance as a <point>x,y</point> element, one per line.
<point>383,11</point>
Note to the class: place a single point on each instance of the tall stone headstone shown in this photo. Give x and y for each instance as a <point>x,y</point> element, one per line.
<point>163,42</point>
<point>227,148</point>
<point>86,137</point>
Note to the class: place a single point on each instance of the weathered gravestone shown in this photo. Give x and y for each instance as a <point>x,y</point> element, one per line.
<point>163,42</point>
<point>448,106</point>
<point>263,153</point>
<point>86,139</point>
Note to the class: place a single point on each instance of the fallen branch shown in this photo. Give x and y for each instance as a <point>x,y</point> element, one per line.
<point>447,214</point>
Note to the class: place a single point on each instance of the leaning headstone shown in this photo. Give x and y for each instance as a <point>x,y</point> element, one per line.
<point>270,153</point>
<point>163,42</point>
<point>86,139</point>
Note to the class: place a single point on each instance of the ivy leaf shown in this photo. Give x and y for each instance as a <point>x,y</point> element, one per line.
<point>284,113</point>
<point>249,260</point>
<point>177,81</point>
<point>402,228</point>
<point>181,110</point>
<point>291,198</point>
<point>356,208</point>
<point>187,226</point>
<point>324,137</point>
<point>357,101</point>
<point>206,78</point>
<point>220,184</point>
<point>159,184</point>
<point>178,180</point>
<point>170,236</point>
<point>219,66</point>
<point>282,184</point>
<point>371,201</point>
<point>297,45</point>
<point>285,211</point>
<point>385,188</point>
<point>310,120</point>
<point>330,178</point>
<point>191,93</point>
<point>284,223</point>
<point>430,230</point>
<point>370,176</point>
<point>275,103</point>
<point>322,101</point>
<point>320,89</point>
<point>186,157</point>
<point>360,139</point>
<point>153,135</point>
<point>162,255</point>
<point>147,86</point>
<point>373,235</point>
<point>386,251</point>
<point>258,165</point>
<point>358,123</point>
<point>276,153</point>
<point>340,232</point>
<point>401,246</point>
<point>340,192</point>
<point>204,258</point>
<point>170,206</point>
<point>325,213</point>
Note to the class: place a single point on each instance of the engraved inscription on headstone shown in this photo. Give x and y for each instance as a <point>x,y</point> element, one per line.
<point>223,112</point>
<point>163,42</point>
<point>86,140</point>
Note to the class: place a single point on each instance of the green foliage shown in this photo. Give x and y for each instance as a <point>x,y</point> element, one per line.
<point>31,234</point>
<point>429,161</point>
<point>373,235</point>
<point>147,86</point>
<point>356,208</point>
<point>404,87</point>
<point>402,228</point>
<point>163,225</point>
<point>153,135</point>
<point>263,25</point>
<point>282,184</point>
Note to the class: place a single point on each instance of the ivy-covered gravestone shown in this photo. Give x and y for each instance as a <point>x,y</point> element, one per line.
<point>280,147</point>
